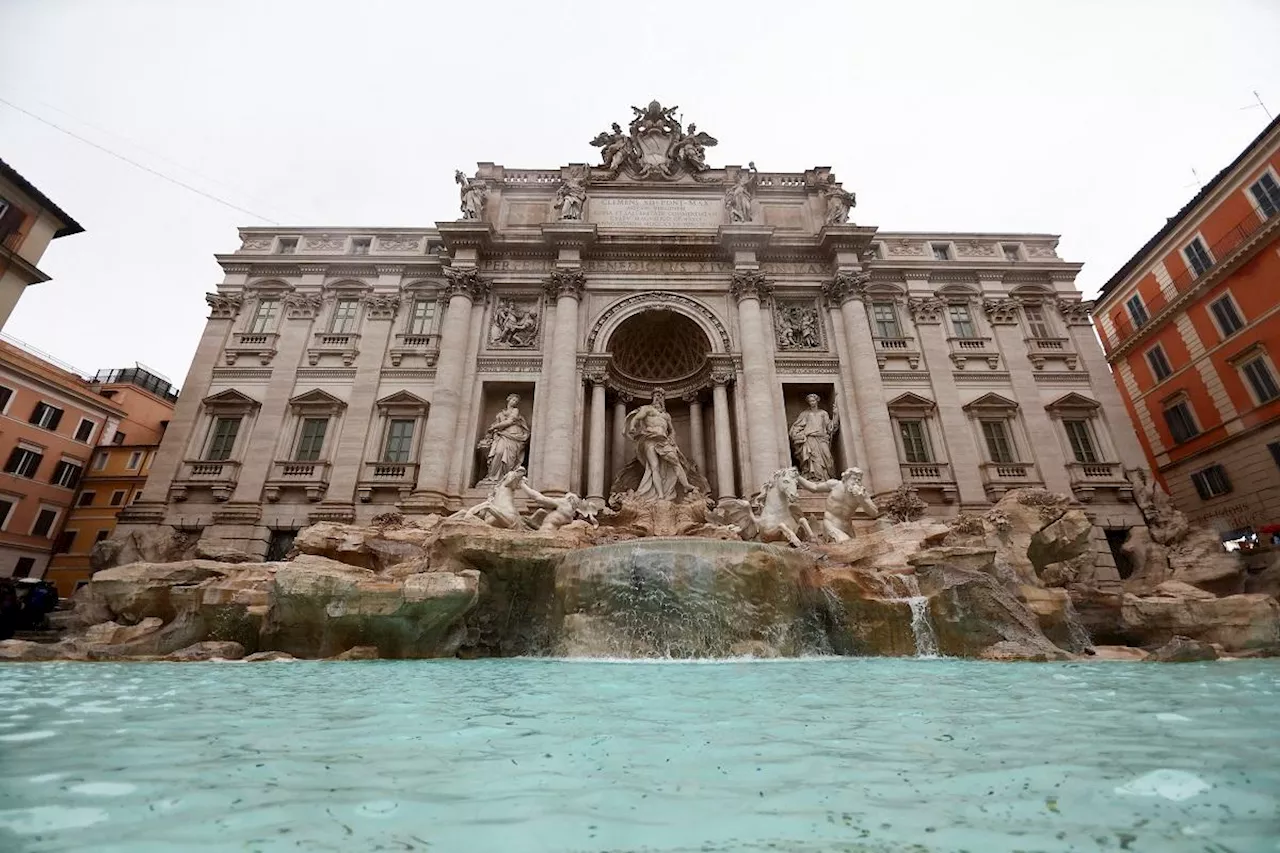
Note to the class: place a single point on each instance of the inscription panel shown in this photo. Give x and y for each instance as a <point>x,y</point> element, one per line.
<point>668,213</point>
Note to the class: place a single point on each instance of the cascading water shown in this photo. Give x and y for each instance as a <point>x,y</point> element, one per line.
<point>921,625</point>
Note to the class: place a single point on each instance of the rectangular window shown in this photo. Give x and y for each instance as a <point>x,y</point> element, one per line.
<point>86,499</point>
<point>84,430</point>
<point>1197,256</point>
<point>135,459</point>
<point>1159,363</point>
<point>23,567</point>
<point>264,316</point>
<point>99,461</point>
<point>287,245</point>
<point>102,534</point>
<point>1261,380</point>
<point>1181,424</point>
<point>66,474</point>
<point>23,462</point>
<point>344,316</point>
<point>996,434</point>
<point>962,322</point>
<point>915,442</point>
<point>118,438</point>
<point>6,394</point>
<point>941,251</point>
<point>222,439</point>
<point>44,522</point>
<point>46,416</point>
<point>1081,438</point>
<point>6,506</point>
<point>360,245</point>
<point>420,318</point>
<point>1274,447</point>
<point>63,543</point>
<point>1211,482</point>
<point>311,439</point>
<point>117,497</point>
<point>1137,311</point>
<point>1036,322</point>
<point>1011,252</point>
<point>1266,192</point>
<point>1226,316</point>
<point>399,446</point>
<point>886,320</point>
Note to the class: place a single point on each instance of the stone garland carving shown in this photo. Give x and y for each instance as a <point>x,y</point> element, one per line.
<point>572,194</point>
<point>846,285</point>
<point>224,306</point>
<point>466,282</point>
<point>570,282</point>
<point>1041,251</point>
<point>750,283</point>
<point>797,327</point>
<point>926,309</point>
<point>904,247</point>
<point>399,244</point>
<point>1076,312</point>
<point>326,243</point>
<point>302,306</point>
<point>655,147</point>
<point>838,203</point>
<point>972,248</point>
<point>256,244</point>
<point>740,196</point>
<point>1002,312</point>
<point>473,192</point>
<point>515,325</point>
<point>382,306</point>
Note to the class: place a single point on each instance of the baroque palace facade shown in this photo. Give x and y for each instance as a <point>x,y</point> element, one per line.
<point>347,372</point>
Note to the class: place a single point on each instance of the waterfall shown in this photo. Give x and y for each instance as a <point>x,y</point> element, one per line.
<point>921,625</point>
<point>1076,631</point>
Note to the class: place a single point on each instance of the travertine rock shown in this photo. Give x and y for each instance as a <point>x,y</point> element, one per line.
<point>973,613</point>
<point>130,593</point>
<point>1183,650</point>
<point>208,650</point>
<point>268,657</point>
<point>1121,653</point>
<point>1235,622</point>
<point>375,548</point>
<point>359,653</point>
<point>24,650</point>
<point>1199,559</point>
<point>222,553</point>
<point>156,544</point>
<point>111,633</point>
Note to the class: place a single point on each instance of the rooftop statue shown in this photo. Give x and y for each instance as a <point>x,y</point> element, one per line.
<point>474,192</point>
<point>740,195</point>
<point>839,202</point>
<point>572,194</point>
<point>655,145</point>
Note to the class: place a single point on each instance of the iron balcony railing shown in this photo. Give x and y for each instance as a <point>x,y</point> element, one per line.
<point>144,379</point>
<point>1221,251</point>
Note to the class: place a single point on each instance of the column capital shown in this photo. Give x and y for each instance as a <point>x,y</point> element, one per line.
<point>566,282</point>
<point>926,309</point>
<point>849,284</point>
<point>224,306</point>
<point>466,282</point>
<point>1002,312</point>
<point>302,306</point>
<point>750,284</point>
<point>382,306</point>
<point>722,376</point>
<point>1076,312</point>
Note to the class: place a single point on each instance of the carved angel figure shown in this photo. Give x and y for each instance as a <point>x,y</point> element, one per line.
<point>690,150</point>
<point>474,192</point>
<point>572,194</point>
<point>614,147</point>
<point>839,203</point>
<point>739,196</point>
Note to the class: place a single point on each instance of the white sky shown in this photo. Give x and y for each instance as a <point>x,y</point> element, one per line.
<point>1081,118</point>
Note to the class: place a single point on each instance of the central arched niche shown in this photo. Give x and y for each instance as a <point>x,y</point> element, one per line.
<point>658,347</point>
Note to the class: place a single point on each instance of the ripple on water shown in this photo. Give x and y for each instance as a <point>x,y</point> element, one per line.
<point>103,789</point>
<point>1176,785</point>
<point>22,737</point>
<point>41,819</point>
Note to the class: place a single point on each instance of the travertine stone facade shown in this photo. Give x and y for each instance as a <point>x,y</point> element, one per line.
<point>345,372</point>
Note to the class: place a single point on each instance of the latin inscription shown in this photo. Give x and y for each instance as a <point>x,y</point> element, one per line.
<point>666,213</point>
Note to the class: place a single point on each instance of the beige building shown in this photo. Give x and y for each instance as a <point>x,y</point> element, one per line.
<point>29,221</point>
<point>345,372</point>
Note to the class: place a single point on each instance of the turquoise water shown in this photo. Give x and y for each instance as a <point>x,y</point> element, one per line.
<point>544,755</point>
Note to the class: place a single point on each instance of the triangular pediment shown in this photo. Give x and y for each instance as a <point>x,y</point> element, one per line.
<point>316,397</point>
<point>402,398</point>
<point>991,402</point>
<point>1073,401</point>
<point>909,402</point>
<point>230,398</point>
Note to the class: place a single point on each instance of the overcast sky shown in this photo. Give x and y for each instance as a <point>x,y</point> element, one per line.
<point>1078,118</point>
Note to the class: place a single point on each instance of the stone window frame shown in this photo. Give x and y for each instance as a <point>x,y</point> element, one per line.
<point>315,403</point>
<point>955,295</point>
<point>395,406</point>
<point>1181,398</point>
<point>1077,407</point>
<point>996,407</point>
<point>1229,298</point>
<point>224,404</point>
<point>332,292</point>
<point>1164,357</point>
<point>1268,172</point>
<point>1187,256</point>
<point>1202,481</point>
<point>1019,252</point>
<point>913,407</point>
<point>256,293</point>
<point>1253,353</point>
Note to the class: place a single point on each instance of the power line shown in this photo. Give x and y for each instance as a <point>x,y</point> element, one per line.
<point>138,165</point>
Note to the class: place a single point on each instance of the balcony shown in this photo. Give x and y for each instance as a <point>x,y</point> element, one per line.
<point>1000,477</point>
<point>426,346</point>
<point>259,345</point>
<point>1041,349</point>
<point>400,477</point>
<point>963,349</point>
<point>345,345</point>
<point>312,477</point>
<point>1227,249</point>
<point>1086,477</point>
<point>931,475</point>
<point>902,347</point>
<point>219,477</point>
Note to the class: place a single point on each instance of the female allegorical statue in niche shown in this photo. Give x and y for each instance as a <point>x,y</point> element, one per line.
<point>811,438</point>
<point>660,471</point>
<point>505,441</point>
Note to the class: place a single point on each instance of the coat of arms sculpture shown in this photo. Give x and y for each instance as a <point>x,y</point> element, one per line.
<point>655,147</point>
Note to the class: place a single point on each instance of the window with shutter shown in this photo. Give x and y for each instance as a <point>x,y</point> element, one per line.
<point>311,439</point>
<point>46,416</point>
<point>1081,438</point>
<point>1266,192</point>
<point>999,447</point>
<point>915,442</point>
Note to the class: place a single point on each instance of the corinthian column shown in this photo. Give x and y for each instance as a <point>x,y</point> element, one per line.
<point>881,467</point>
<point>565,286</point>
<point>724,439</point>
<point>439,439</point>
<point>595,447</point>
<point>749,287</point>
<point>619,435</point>
<point>697,443</point>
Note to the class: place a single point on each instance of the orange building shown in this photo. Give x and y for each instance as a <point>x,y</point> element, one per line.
<point>1191,328</point>
<point>29,221</point>
<point>51,420</point>
<point>118,470</point>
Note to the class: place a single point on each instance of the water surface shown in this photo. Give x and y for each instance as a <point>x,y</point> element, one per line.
<point>545,755</point>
